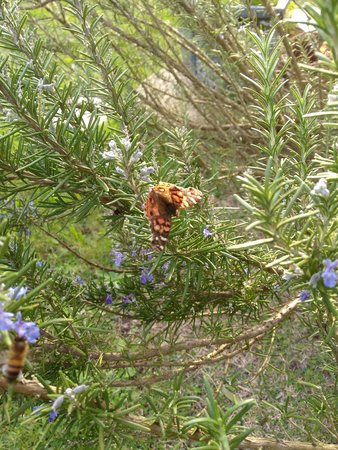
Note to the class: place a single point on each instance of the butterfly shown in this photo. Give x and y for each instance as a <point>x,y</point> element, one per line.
<point>164,201</point>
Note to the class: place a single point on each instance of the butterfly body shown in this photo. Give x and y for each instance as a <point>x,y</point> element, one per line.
<point>165,200</point>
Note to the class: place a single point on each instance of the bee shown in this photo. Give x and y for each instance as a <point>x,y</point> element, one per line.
<point>16,359</point>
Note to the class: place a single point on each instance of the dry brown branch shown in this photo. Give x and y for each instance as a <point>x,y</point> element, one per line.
<point>271,444</point>
<point>31,388</point>
<point>167,349</point>
<point>211,105</point>
<point>172,33</point>
<point>139,360</point>
<point>193,365</point>
<point>128,359</point>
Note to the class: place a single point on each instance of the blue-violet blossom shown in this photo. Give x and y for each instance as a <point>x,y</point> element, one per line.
<point>126,143</point>
<point>304,295</point>
<point>16,292</point>
<point>320,188</point>
<point>79,279</point>
<point>119,257</point>
<point>145,171</point>
<point>109,299</point>
<point>146,275</point>
<point>329,274</point>
<point>165,266</point>
<point>28,330</point>
<point>36,409</point>
<point>314,279</point>
<point>5,320</point>
<point>130,298</point>
<point>207,232</point>
<point>113,153</point>
<point>52,416</point>
<point>136,156</point>
<point>79,389</point>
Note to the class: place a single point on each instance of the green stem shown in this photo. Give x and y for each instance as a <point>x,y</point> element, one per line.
<point>332,314</point>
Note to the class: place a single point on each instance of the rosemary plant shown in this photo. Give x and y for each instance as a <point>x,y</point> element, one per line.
<point>123,336</point>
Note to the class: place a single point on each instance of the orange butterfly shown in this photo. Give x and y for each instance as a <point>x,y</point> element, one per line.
<point>164,201</point>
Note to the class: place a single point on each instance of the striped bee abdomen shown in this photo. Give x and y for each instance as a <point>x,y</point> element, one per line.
<point>16,359</point>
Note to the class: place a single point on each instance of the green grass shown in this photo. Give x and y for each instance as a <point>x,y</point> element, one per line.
<point>88,238</point>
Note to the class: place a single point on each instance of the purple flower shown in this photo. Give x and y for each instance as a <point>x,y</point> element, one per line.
<point>109,299</point>
<point>304,295</point>
<point>80,388</point>
<point>165,266</point>
<point>19,325</point>
<point>39,263</point>
<point>146,276</point>
<point>126,142</point>
<point>113,153</point>
<point>79,280</point>
<point>329,274</point>
<point>118,257</point>
<point>145,171</point>
<point>320,188</point>
<point>207,232</point>
<point>58,402</point>
<point>52,416</point>
<point>32,332</point>
<point>28,330</point>
<point>134,253</point>
<point>36,409</point>
<point>136,156</point>
<point>17,292</point>
<point>130,298</point>
<point>314,279</point>
<point>5,320</point>
<point>120,171</point>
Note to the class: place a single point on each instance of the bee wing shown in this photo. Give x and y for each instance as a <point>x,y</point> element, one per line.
<point>3,357</point>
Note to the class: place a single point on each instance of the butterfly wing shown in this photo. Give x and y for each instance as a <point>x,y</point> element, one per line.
<point>164,201</point>
<point>159,212</point>
<point>185,197</point>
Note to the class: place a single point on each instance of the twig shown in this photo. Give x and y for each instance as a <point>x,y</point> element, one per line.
<point>167,349</point>
<point>78,255</point>
<point>108,310</point>
<point>31,388</point>
<point>271,444</point>
<point>40,5</point>
<point>139,359</point>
